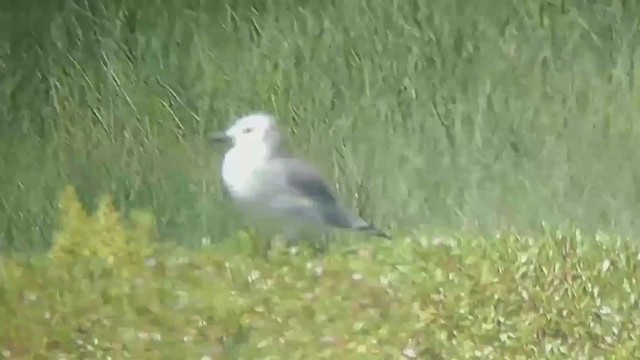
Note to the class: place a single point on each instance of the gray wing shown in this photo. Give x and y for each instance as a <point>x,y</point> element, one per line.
<point>295,176</point>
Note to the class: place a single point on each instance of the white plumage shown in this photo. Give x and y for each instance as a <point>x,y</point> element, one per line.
<point>265,182</point>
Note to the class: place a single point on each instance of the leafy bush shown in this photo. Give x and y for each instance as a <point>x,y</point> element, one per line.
<point>508,297</point>
<point>104,236</point>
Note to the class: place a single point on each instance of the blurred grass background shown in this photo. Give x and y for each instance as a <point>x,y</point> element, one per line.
<point>444,115</point>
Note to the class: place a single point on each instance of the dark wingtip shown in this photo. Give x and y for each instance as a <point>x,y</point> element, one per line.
<point>382,234</point>
<point>375,231</point>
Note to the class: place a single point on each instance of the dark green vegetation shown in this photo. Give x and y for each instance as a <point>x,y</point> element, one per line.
<point>457,113</point>
<point>453,120</point>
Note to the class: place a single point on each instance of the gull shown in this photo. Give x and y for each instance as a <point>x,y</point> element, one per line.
<point>266,182</point>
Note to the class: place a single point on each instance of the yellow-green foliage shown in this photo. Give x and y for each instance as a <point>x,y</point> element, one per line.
<point>105,235</point>
<point>509,297</point>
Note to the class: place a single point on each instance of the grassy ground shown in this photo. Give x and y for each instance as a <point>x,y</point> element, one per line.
<point>539,298</point>
<point>448,120</point>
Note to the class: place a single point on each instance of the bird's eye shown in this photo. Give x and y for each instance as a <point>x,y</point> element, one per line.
<point>247,130</point>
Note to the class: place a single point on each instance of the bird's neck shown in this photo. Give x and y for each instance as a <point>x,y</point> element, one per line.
<point>251,155</point>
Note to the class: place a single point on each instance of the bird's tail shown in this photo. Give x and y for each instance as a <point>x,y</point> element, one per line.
<point>348,221</point>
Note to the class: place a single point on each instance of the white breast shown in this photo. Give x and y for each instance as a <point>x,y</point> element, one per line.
<point>239,169</point>
<point>236,173</point>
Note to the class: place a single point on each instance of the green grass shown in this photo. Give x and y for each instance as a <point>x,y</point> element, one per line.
<point>441,115</point>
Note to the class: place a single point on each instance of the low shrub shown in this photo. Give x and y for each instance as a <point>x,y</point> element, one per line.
<point>105,239</point>
<point>508,297</point>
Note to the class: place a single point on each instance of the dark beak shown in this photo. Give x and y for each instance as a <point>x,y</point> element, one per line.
<point>219,137</point>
